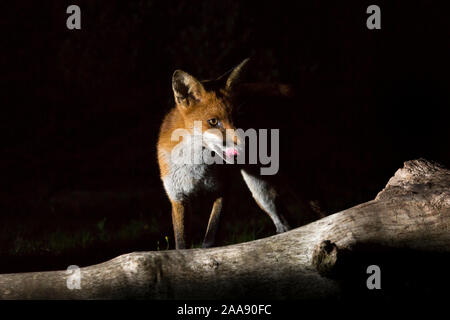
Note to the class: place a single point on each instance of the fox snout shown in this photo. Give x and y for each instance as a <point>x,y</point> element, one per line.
<point>231,152</point>
<point>234,146</point>
<point>224,142</point>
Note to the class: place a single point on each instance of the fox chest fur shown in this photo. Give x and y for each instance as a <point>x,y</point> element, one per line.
<point>185,176</point>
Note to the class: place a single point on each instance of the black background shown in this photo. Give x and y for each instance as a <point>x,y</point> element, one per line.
<point>80,110</point>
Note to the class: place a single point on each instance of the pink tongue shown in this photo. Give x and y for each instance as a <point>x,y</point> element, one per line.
<point>231,152</point>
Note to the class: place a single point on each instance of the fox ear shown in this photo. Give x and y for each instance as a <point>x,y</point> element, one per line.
<point>235,75</point>
<point>186,89</point>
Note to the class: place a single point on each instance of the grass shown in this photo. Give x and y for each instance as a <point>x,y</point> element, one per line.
<point>24,242</point>
<point>42,239</point>
<point>103,232</point>
<point>250,231</point>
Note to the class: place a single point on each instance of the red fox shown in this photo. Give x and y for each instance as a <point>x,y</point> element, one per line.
<point>209,104</point>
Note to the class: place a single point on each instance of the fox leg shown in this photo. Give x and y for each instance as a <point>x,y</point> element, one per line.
<point>213,223</point>
<point>178,212</point>
<point>266,198</point>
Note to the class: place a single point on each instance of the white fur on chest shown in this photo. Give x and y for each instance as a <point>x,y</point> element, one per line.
<point>186,176</point>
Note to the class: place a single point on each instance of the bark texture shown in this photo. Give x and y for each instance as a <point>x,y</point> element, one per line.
<point>412,212</point>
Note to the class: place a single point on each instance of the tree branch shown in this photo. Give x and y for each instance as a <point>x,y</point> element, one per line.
<point>411,212</point>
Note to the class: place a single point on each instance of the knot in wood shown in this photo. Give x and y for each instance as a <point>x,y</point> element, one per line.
<point>214,264</point>
<point>324,257</point>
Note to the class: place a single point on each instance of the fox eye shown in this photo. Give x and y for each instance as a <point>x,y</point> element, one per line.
<point>213,122</point>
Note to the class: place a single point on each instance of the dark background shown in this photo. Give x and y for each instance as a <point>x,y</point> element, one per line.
<point>81,109</point>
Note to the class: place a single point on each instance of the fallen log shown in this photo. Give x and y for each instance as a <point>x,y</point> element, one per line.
<point>411,212</point>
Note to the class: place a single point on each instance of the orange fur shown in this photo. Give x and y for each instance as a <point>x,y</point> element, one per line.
<point>210,106</point>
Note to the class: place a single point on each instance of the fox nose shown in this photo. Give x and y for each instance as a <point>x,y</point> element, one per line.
<point>231,152</point>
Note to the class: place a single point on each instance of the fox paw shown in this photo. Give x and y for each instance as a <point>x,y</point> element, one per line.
<point>282,228</point>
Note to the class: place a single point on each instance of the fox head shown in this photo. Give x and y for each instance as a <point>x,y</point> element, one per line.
<point>209,104</point>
